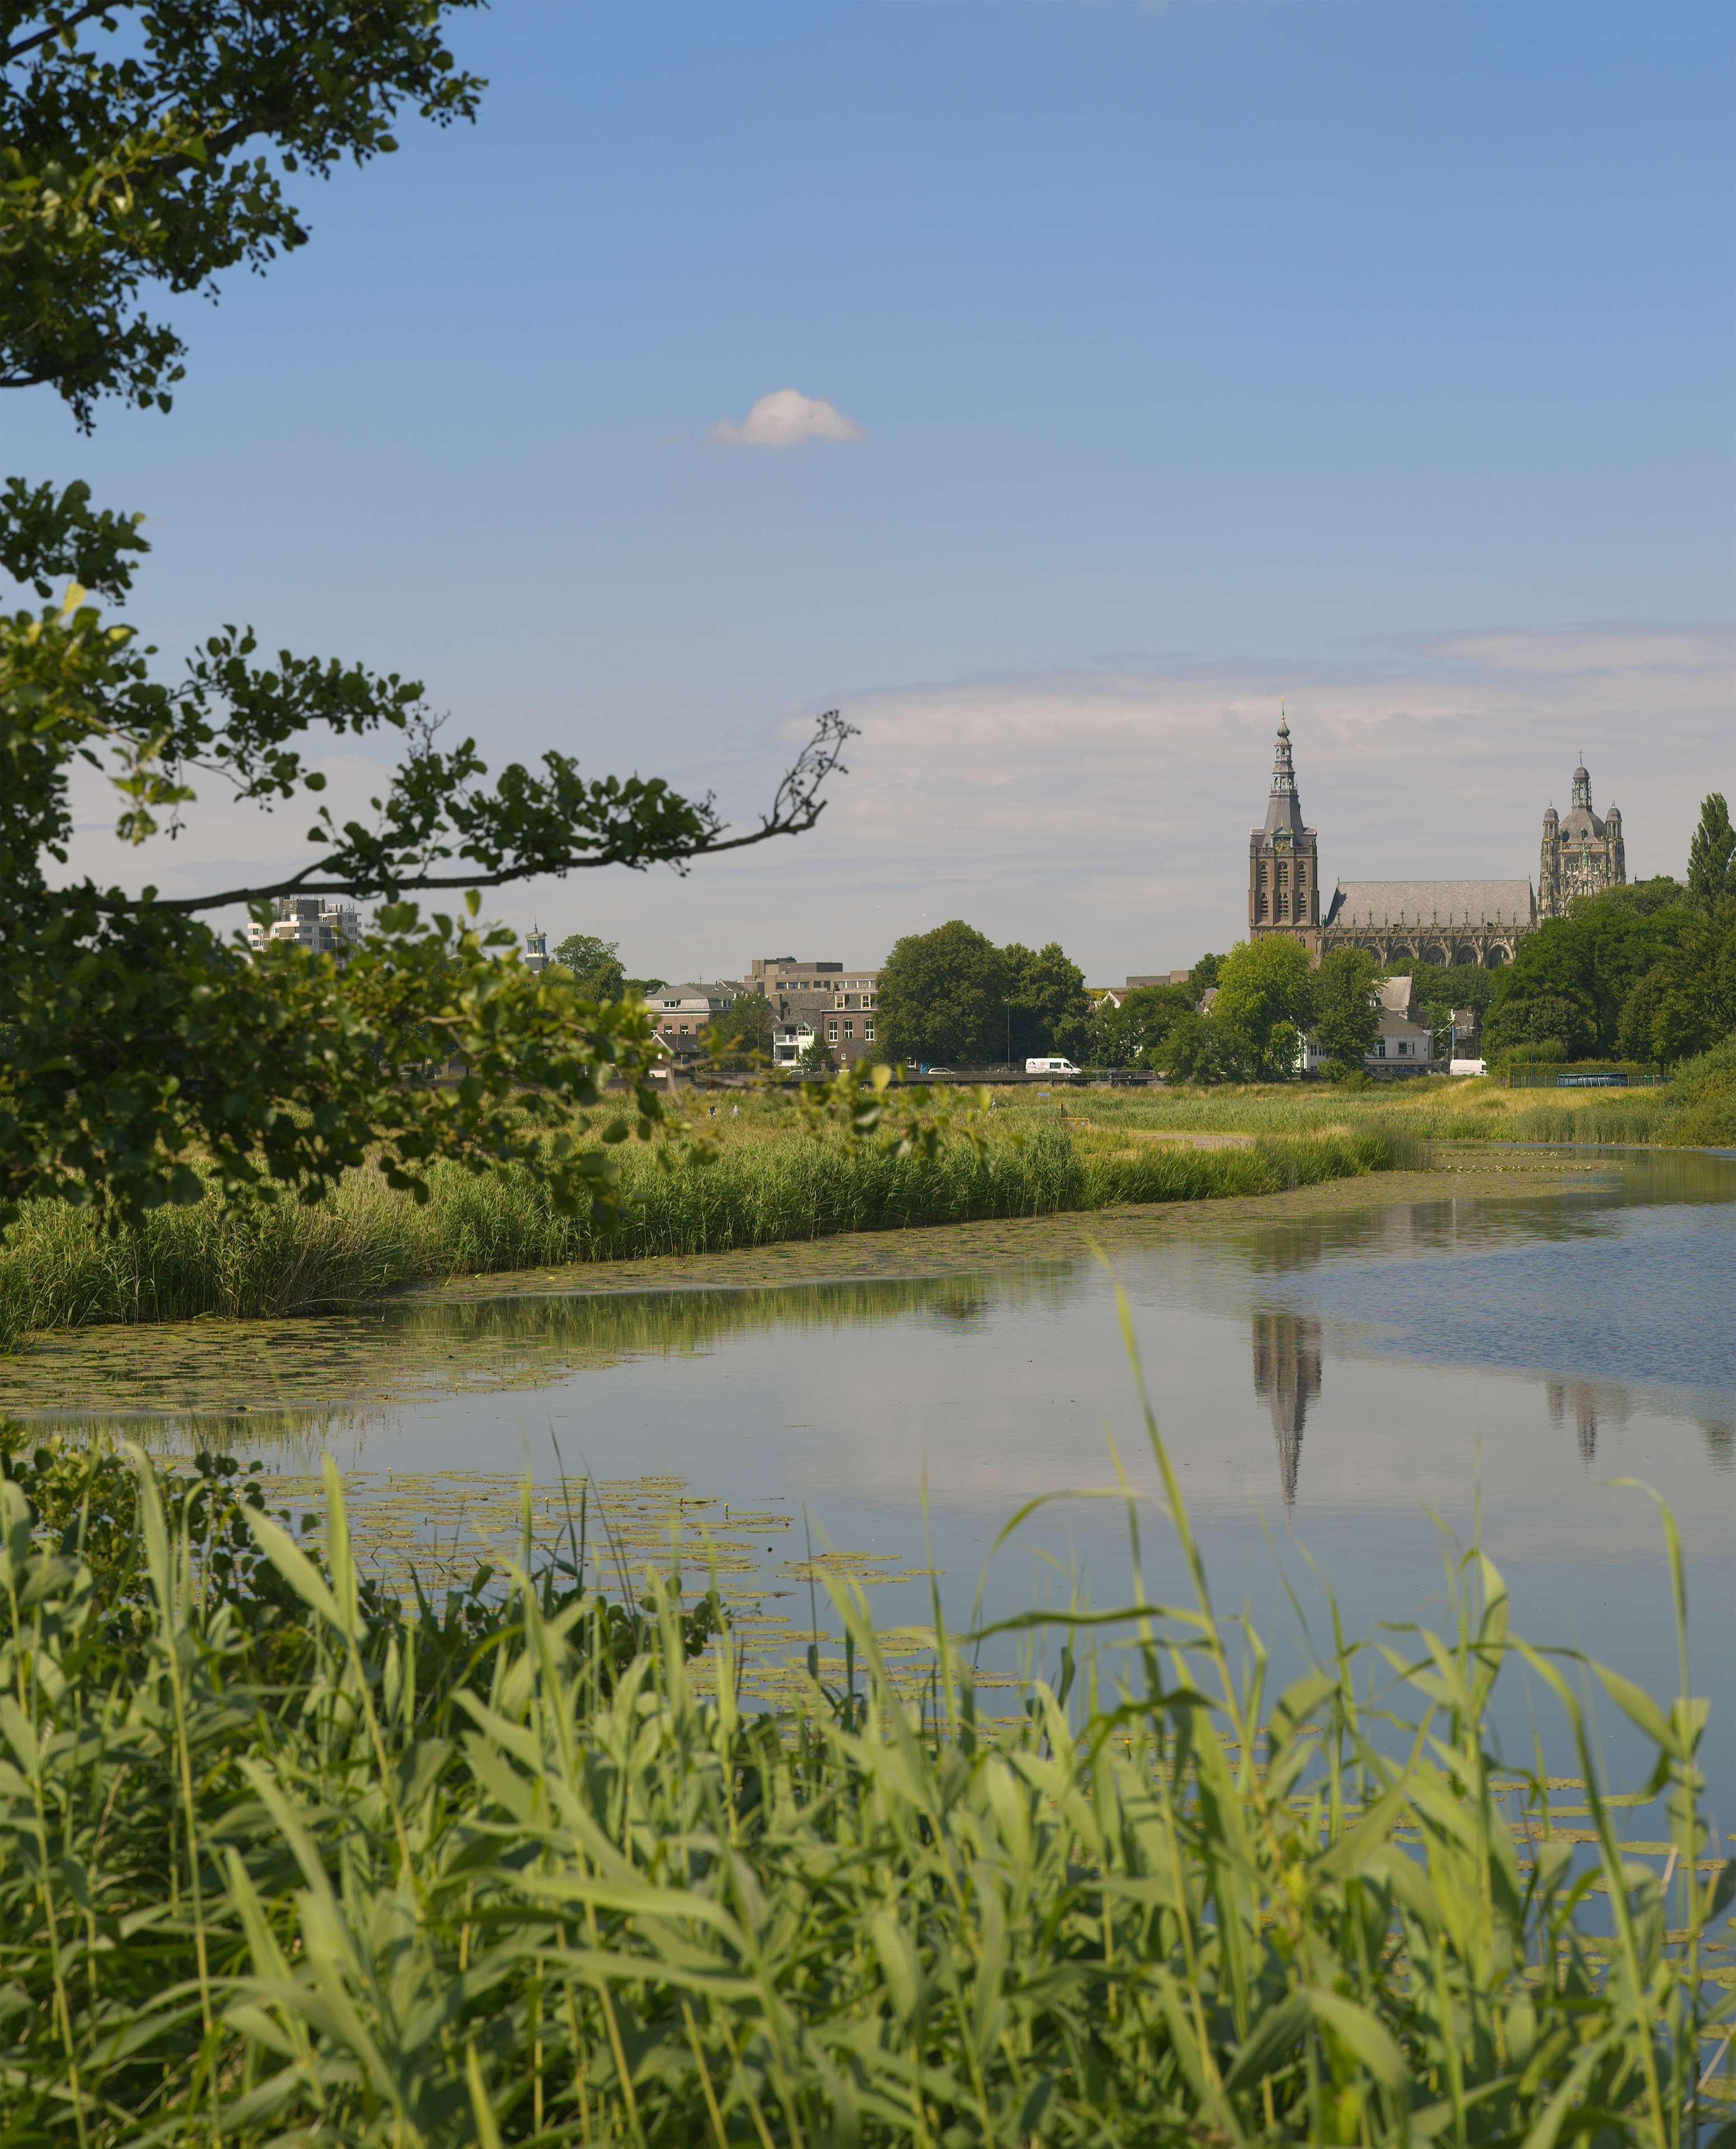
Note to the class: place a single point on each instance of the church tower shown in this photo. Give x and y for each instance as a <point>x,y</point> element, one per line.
<point>1283,860</point>
<point>1581,854</point>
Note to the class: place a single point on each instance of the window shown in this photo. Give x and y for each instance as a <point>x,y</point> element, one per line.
<point>1260,904</point>
<point>868,1033</point>
<point>832,1033</point>
<point>849,1027</point>
<point>1383,1049</point>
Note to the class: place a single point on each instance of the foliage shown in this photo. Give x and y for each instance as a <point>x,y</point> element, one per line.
<point>1593,982</point>
<point>741,1037</point>
<point>136,1039</point>
<point>1704,1094</point>
<point>951,997</point>
<point>858,1159</point>
<point>1345,1020</point>
<point>1712,854</point>
<point>1264,1003</point>
<point>1691,994</point>
<point>594,966</point>
<point>1199,1049</point>
<point>1133,1033</point>
<point>1561,1020</point>
<point>126,163</point>
<point>1204,976</point>
<point>453,1884</point>
<point>818,1057</point>
<point>1050,1010</point>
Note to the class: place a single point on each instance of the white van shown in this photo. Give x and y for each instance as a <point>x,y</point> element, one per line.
<point>1049,1067</point>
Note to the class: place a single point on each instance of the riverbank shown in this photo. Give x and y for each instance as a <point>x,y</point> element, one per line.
<point>769,1183</point>
<point>772,1183</point>
<point>287,1378</point>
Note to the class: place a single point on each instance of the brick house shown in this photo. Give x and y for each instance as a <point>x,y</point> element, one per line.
<point>833,1002</point>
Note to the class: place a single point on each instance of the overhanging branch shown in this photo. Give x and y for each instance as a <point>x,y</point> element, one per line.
<point>796,806</point>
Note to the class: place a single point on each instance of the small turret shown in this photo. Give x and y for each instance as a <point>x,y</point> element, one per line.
<point>1552,820</point>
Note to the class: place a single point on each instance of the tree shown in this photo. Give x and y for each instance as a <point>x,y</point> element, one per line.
<point>156,156</point>
<point>642,988</point>
<point>943,997</point>
<point>1049,1009</point>
<point>741,1037</point>
<point>1198,1048</point>
<point>1264,1002</point>
<point>1132,1034</point>
<point>819,1058</point>
<point>1694,996</point>
<point>1574,979</point>
<point>594,964</point>
<point>1560,1020</point>
<point>1347,1020</point>
<point>1203,977</point>
<point>1712,854</point>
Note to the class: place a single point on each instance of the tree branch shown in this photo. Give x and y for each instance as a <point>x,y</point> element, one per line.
<point>795,809</point>
<point>57,28</point>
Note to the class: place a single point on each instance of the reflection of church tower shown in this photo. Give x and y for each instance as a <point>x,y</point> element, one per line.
<point>1593,1404</point>
<point>1283,860</point>
<point>1287,1378</point>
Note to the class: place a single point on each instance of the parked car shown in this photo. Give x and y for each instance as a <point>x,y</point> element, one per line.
<point>1051,1066</point>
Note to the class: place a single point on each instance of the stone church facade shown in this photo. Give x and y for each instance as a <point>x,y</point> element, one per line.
<point>1443,923</point>
<point>1582,855</point>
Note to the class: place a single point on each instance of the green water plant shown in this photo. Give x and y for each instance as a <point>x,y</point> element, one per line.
<point>1160,1905</point>
<point>59,1268</point>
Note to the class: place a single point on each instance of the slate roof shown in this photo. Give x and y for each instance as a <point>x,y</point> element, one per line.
<point>1381,905</point>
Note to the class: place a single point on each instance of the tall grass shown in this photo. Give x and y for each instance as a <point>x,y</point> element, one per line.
<point>532,1890</point>
<point>57,1268</point>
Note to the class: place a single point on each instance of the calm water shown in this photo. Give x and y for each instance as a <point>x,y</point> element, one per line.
<point>1347,1385</point>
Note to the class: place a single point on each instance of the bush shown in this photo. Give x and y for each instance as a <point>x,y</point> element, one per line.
<point>1705,1091</point>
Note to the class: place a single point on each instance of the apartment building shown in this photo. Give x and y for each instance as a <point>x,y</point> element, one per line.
<point>834,1003</point>
<point>317,923</point>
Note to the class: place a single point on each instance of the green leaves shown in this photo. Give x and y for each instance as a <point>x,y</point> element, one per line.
<point>547,1883</point>
<point>123,169</point>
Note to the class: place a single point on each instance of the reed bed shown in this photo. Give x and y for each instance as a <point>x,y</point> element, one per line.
<point>523,1869</point>
<point>59,1269</point>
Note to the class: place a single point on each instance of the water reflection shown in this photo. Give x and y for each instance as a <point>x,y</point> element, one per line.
<point>1287,1379</point>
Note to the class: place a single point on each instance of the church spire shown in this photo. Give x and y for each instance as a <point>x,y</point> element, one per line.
<point>1283,807</point>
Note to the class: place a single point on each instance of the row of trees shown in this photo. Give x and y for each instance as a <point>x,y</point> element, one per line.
<point>951,997</point>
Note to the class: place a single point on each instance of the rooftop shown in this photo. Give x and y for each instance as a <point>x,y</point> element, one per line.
<point>1380,903</point>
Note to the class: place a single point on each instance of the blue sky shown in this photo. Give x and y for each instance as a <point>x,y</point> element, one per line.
<point>1382,357</point>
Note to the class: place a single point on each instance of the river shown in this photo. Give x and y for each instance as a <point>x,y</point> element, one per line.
<point>1345,1380</point>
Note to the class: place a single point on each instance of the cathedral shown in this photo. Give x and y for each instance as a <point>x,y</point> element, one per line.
<point>1445,923</point>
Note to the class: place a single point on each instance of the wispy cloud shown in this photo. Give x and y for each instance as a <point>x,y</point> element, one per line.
<point>1108,807</point>
<point>785,418</point>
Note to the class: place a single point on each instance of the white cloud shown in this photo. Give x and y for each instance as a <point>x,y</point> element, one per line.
<point>785,419</point>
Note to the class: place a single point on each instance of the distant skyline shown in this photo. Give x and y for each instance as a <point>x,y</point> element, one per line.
<point>1051,388</point>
